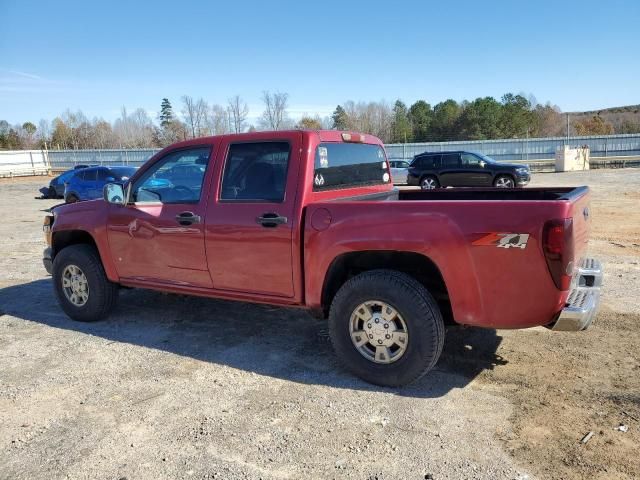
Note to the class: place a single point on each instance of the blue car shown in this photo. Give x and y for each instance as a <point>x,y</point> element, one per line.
<point>86,184</point>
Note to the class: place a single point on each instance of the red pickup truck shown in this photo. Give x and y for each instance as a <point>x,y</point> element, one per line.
<point>311,219</point>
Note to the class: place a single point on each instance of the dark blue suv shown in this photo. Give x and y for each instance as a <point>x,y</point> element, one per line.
<point>87,183</point>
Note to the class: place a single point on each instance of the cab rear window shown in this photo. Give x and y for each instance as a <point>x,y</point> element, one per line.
<point>346,165</point>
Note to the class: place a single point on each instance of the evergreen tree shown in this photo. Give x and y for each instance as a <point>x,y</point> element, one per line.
<point>420,116</point>
<point>166,113</point>
<point>401,131</point>
<point>445,120</point>
<point>340,118</point>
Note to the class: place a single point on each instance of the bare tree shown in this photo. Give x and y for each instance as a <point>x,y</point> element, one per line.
<point>218,120</point>
<point>238,111</point>
<point>274,116</point>
<point>44,133</point>
<point>135,130</point>
<point>195,113</point>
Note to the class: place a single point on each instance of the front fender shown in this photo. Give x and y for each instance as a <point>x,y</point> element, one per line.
<point>90,218</point>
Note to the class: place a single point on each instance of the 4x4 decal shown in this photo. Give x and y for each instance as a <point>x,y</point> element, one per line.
<point>504,240</point>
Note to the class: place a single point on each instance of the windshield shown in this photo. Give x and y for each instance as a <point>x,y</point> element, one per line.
<point>344,165</point>
<point>484,157</point>
<point>122,173</point>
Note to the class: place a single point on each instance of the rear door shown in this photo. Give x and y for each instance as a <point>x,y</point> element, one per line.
<point>451,172</point>
<point>86,185</point>
<point>250,223</point>
<point>101,180</point>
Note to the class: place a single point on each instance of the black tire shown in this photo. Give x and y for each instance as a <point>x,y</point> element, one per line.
<point>418,309</point>
<point>429,180</point>
<point>507,179</point>
<point>71,198</point>
<point>102,293</point>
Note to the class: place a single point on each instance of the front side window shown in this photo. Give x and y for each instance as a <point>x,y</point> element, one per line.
<point>470,160</point>
<point>176,178</point>
<point>121,174</point>
<point>256,172</point>
<point>345,165</point>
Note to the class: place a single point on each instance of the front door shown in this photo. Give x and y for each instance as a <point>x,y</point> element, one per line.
<point>159,235</point>
<point>250,224</point>
<point>477,174</point>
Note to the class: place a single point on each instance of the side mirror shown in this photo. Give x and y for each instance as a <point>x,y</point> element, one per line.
<point>482,164</point>
<point>113,193</point>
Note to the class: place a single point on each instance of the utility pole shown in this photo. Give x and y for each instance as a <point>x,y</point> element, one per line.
<point>567,129</point>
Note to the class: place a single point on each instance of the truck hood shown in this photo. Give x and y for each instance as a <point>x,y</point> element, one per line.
<point>512,165</point>
<point>77,207</point>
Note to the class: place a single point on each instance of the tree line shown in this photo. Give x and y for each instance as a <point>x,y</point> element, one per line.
<point>513,116</point>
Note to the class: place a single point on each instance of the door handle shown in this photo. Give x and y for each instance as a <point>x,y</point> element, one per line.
<point>188,218</point>
<point>271,220</point>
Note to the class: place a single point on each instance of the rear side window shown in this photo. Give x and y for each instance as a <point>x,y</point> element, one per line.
<point>345,165</point>
<point>88,175</point>
<point>256,172</point>
<point>450,160</point>
<point>102,175</point>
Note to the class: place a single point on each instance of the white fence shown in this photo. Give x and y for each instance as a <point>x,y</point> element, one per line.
<point>608,151</point>
<point>19,163</point>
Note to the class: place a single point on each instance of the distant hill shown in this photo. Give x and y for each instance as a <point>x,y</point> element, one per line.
<point>624,119</point>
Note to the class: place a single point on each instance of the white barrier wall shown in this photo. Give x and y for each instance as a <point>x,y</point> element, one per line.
<point>20,163</point>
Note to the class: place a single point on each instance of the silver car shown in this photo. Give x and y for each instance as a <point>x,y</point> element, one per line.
<point>399,171</point>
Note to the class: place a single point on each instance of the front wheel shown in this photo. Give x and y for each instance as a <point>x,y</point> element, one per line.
<point>84,292</point>
<point>504,181</point>
<point>386,328</point>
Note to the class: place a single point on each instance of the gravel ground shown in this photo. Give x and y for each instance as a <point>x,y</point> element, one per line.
<point>177,387</point>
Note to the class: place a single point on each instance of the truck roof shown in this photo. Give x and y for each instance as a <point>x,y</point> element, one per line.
<point>324,136</point>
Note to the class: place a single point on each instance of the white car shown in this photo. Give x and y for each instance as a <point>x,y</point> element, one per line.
<point>399,171</point>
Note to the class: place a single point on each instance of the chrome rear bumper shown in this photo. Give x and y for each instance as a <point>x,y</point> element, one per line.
<point>584,299</point>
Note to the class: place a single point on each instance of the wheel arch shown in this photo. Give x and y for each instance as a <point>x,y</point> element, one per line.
<point>504,174</point>
<point>417,265</point>
<point>429,174</point>
<point>64,238</point>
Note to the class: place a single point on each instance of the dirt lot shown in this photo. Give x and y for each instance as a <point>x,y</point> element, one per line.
<point>175,387</point>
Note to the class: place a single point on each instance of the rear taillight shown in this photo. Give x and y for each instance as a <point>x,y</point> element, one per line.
<point>557,243</point>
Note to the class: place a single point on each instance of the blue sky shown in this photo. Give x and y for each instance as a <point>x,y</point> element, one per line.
<point>100,56</point>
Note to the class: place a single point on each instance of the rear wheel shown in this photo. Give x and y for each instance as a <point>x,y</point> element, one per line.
<point>429,182</point>
<point>386,328</point>
<point>504,181</point>
<point>81,285</point>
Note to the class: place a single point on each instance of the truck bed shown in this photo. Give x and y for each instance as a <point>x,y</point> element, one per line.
<point>458,230</point>
<point>559,193</point>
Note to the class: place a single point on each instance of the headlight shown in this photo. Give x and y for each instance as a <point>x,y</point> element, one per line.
<point>522,170</point>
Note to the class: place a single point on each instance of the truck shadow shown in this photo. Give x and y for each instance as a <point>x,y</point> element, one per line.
<point>282,343</point>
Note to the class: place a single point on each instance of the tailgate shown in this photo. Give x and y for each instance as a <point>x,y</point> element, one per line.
<point>581,215</point>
